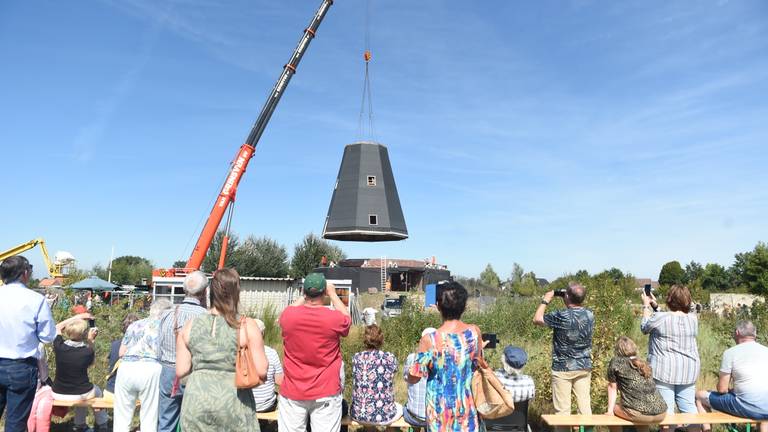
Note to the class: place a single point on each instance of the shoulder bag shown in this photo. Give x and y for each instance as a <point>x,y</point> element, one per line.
<point>492,400</point>
<point>245,369</point>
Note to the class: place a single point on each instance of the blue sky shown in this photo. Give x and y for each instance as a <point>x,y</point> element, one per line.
<point>559,135</point>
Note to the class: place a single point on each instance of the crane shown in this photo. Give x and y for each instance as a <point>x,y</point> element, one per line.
<point>226,199</point>
<point>55,268</point>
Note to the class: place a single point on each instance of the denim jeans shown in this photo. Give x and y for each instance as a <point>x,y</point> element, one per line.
<point>684,395</point>
<point>412,419</point>
<point>18,383</point>
<point>169,408</point>
<point>729,403</point>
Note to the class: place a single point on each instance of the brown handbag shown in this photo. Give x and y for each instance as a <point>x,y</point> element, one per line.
<point>492,400</point>
<point>245,369</point>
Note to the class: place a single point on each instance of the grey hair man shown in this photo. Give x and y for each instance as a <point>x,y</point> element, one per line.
<point>572,329</point>
<point>171,322</point>
<point>744,365</point>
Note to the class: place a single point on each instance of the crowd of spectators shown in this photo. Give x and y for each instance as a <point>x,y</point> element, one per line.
<point>179,363</point>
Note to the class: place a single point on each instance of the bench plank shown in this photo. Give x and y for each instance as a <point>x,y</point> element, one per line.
<point>346,421</point>
<point>89,403</point>
<point>670,419</point>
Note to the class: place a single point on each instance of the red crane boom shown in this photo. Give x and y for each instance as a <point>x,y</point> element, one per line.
<point>226,198</point>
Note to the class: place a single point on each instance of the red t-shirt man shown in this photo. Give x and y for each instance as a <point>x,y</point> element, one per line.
<point>312,359</point>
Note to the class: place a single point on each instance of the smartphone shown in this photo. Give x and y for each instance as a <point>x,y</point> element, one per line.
<point>492,340</point>
<point>560,293</point>
<point>648,290</point>
<point>92,323</point>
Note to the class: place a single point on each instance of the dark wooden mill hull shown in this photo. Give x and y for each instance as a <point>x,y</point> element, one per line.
<point>365,205</point>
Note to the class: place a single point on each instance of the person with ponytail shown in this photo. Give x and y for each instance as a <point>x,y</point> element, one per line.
<point>206,350</point>
<point>631,376</point>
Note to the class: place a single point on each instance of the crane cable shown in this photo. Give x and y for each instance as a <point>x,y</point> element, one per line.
<point>366,129</point>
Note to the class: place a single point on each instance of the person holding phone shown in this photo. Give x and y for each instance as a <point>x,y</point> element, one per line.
<point>312,391</point>
<point>572,329</point>
<point>74,355</point>
<point>672,349</point>
<point>447,358</point>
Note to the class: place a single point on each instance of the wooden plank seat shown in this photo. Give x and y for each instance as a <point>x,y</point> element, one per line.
<point>581,421</point>
<point>271,416</point>
<point>90,403</point>
<point>398,424</point>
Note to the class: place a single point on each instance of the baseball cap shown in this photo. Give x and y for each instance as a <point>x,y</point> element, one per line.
<point>314,284</point>
<point>515,357</point>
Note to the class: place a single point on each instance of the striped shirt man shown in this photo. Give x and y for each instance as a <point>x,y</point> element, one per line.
<point>264,394</point>
<point>672,350</point>
<point>417,393</point>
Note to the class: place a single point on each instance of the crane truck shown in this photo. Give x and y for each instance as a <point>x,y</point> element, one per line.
<point>169,281</point>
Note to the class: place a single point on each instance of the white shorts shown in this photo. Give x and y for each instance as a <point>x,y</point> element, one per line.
<point>324,414</point>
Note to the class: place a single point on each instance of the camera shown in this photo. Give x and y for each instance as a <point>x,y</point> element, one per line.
<point>92,323</point>
<point>491,338</point>
<point>648,290</point>
<point>560,293</point>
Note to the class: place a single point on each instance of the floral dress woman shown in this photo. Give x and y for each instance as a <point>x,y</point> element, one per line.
<point>373,392</point>
<point>448,368</point>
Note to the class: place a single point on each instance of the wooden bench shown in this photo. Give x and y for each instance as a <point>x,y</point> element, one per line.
<point>398,424</point>
<point>100,403</point>
<point>581,421</point>
<point>271,416</point>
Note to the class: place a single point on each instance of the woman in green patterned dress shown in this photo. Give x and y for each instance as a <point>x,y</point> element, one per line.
<point>207,348</point>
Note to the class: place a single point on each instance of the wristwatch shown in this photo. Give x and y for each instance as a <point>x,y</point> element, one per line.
<point>544,302</point>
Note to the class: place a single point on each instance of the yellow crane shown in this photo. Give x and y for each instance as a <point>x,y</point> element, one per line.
<point>55,268</point>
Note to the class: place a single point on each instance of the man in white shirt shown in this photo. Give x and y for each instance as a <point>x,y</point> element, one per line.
<point>26,321</point>
<point>744,365</point>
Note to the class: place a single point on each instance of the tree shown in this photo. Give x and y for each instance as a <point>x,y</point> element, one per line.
<point>671,273</point>
<point>693,271</point>
<point>308,254</point>
<point>714,277</point>
<point>129,270</point>
<point>179,264</point>
<point>211,261</point>
<point>755,270</point>
<point>613,274</point>
<point>489,277</point>
<point>262,257</point>
<point>527,285</point>
<point>738,269</point>
<point>581,275</point>
<point>517,273</point>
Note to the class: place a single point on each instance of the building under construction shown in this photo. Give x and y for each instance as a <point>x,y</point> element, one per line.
<point>383,274</point>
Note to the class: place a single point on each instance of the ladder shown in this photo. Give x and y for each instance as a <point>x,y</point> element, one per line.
<point>383,264</point>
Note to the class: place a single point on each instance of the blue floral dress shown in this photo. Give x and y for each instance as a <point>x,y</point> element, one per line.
<point>373,392</point>
<point>450,405</point>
